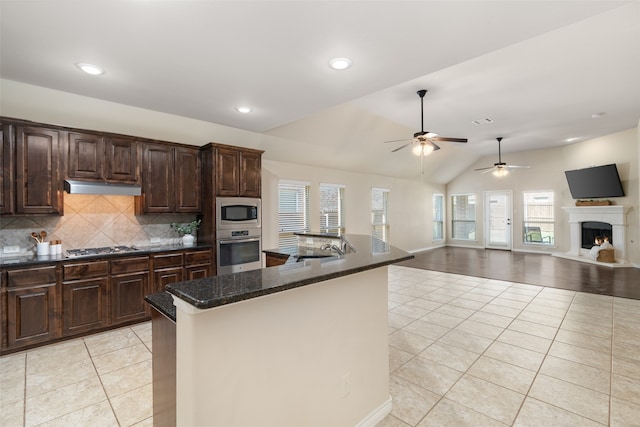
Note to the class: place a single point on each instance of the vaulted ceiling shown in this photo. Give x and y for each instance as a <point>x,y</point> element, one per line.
<point>539,71</point>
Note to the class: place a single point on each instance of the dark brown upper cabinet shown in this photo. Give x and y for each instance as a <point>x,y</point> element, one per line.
<point>170,180</point>
<point>97,158</point>
<point>7,162</point>
<point>38,183</point>
<point>238,172</point>
<point>187,179</point>
<point>121,160</point>
<point>86,156</point>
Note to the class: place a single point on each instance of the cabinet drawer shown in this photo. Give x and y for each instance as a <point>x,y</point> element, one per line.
<point>85,270</point>
<point>32,276</point>
<point>167,260</point>
<point>198,258</point>
<point>129,265</point>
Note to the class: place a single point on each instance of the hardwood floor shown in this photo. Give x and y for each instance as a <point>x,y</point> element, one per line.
<point>534,269</point>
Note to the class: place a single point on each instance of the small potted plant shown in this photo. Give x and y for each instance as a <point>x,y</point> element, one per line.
<point>186,231</point>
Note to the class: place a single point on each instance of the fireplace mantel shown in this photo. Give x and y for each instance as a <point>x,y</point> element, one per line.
<point>616,215</point>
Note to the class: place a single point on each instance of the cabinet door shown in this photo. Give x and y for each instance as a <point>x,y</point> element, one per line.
<point>127,297</point>
<point>198,264</point>
<point>158,189</point>
<point>86,156</point>
<point>250,174</point>
<point>84,305</point>
<point>121,160</point>
<point>227,164</point>
<point>161,278</point>
<point>7,177</point>
<point>198,272</point>
<point>38,187</point>
<point>31,315</point>
<point>187,173</point>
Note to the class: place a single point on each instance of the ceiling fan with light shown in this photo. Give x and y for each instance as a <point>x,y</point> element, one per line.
<point>425,142</point>
<point>500,169</point>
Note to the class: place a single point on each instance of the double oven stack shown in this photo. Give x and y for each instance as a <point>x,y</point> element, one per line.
<point>238,234</point>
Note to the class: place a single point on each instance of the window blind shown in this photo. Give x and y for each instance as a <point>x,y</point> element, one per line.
<point>293,211</point>
<point>332,208</point>
<point>379,213</point>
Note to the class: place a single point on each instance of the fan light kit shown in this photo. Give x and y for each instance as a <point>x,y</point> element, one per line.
<point>340,63</point>
<point>425,141</point>
<point>94,70</point>
<point>500,169</point>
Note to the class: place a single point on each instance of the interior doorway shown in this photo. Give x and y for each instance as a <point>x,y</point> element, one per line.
<point>498,211</point>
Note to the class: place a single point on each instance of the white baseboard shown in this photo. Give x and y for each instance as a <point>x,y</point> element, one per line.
<point>377,415</point>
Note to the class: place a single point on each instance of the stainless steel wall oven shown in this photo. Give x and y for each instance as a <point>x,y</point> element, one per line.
<point>238,234</point>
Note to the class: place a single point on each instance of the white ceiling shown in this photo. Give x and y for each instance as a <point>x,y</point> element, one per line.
<point>538,69</point>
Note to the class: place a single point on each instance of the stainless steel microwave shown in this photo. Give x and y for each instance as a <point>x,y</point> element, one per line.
<point>238,212</point>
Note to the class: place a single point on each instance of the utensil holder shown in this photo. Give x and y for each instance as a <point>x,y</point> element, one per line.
<point>42,249</point>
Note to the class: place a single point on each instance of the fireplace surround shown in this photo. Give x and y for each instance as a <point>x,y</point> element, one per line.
<point>613,215</point>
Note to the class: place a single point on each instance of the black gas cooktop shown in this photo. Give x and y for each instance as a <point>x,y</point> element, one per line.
<point>108,250</point>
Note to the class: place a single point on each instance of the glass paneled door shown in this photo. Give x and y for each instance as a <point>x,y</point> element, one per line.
<point>497,220</point>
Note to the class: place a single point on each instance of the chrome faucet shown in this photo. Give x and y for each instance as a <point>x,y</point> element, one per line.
<point>332,247</point>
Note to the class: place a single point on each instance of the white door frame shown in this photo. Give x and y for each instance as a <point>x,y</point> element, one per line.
<point>506,221</point>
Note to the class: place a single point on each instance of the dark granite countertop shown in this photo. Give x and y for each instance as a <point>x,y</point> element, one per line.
<point>163,302</point>
<point>33,260</point>
<point>211,292</point>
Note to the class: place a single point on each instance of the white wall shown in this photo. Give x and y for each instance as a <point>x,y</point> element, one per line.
<point>547,173</point>
<point>410,202</point>
<point>311,356</point>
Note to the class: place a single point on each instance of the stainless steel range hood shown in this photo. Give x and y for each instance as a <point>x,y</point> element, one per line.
<point>85,187</point>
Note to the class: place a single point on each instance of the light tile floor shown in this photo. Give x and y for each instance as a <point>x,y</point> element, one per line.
<point>99,380</point>
<point>463,351</point>
<point>468,351</point>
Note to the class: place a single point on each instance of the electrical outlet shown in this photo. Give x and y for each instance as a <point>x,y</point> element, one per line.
<point>11,250</point>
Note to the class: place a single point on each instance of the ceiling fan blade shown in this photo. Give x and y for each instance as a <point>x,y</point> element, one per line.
<point>444,138</point>
<point>400,148</point>
<point>435,147</point>
<point>518,167</point>
<point>484,169</point>
<point>398,140</point>
<point>488,170</point>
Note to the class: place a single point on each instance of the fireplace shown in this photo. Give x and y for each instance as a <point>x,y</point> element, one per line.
<point>593,229</point>
<point>609,220</point>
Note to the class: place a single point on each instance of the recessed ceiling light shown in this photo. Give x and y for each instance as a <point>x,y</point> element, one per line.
<point>94,70</point>
<point>575,138</point>
<point>340,63</point>
<point>597,115</point>
<point>244,110</point>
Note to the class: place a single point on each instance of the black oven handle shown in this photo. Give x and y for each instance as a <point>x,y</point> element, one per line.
<point>231,241</point>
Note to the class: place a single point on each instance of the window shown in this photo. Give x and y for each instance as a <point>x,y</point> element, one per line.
<point>379,213</point>
<point>293,211</point>
<point>438,217</point>
<point>538,221</point>
<point>332,208</point>
<point>463,222</point>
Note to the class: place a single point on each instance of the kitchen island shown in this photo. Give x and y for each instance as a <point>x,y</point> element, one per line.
<point>299,344</point>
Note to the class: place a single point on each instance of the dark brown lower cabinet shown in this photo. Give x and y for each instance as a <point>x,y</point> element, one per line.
<point>129,286</point>
<point>198,264</point>
<point>32,302</point>
<point>85,292</point>
<point>42,304</point>
<point>84,305</point>
<point>127,297</point>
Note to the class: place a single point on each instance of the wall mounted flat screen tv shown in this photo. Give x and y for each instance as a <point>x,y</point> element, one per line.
<point>595,182</point>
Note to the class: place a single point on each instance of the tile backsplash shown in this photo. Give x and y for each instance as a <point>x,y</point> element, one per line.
<point>92,221</point>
